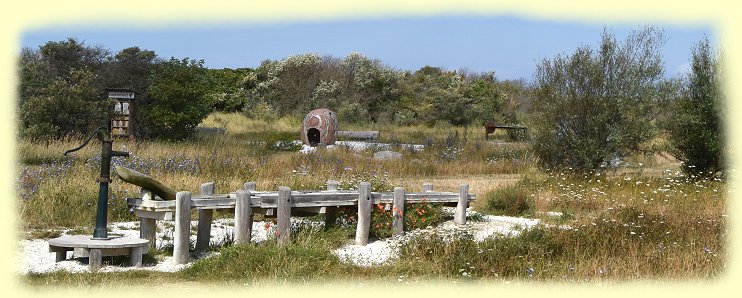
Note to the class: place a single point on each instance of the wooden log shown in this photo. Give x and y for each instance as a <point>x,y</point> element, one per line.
<point>205,216</point>
<point>364,213</point>
<point>460,215</point>
<point>427,187</point>
<point>182,233</point>
<point>148,231</point>
<point>331,212</point>
<point>249,186</point>
<point>398,212</point>
<point>242,218</point>
<point>358,135</point>
<point>147,182</point>
<point>284,215</point>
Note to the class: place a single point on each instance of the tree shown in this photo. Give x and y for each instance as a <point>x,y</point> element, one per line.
<point>228,88</point>
<point>71,106</point>
<point>177,99</point>
<point>131,68</point>
<point>287,85</point>
<point>696,132</point>
<point>597,105</point>
<point>61,89</point>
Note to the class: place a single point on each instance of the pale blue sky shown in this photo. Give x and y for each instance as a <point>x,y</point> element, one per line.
<point>511,46</point>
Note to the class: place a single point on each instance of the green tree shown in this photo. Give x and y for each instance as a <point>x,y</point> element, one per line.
<point>177,99</point>
<point>61,89</point>
<point>598,104</point>
<point>696,132</point>
<point>66,107</point>
<point>228,88</point>
<point>131,68</point>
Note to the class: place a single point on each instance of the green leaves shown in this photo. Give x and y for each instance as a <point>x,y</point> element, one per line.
<point>696,132</point>
<point>177,101</point>
<point>596,106</point>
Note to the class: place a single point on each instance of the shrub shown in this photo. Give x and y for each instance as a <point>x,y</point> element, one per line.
<point>597,104</point>
<point>177,99</point>
<point>416,216</point>
<point>696,131</point>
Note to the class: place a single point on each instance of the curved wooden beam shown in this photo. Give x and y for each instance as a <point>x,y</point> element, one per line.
<point>146,182</point>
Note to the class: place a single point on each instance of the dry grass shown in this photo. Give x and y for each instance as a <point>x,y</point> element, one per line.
<point>642,221</point>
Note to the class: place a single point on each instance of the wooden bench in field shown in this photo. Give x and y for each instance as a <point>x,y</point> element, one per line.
<point>491,127</point>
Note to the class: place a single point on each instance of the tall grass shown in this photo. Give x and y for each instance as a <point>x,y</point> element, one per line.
<point>637,222</point>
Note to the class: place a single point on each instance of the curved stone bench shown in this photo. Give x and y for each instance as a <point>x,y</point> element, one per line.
<point>94,249</point>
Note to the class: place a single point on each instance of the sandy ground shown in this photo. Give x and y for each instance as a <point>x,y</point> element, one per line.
<point>34,255</point>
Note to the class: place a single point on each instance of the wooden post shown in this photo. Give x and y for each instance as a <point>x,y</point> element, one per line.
<point>460,216</point>
<point>242,218</point>
<point>364,213</point>
<point>284,215</point>
<point>249,186</point>
<point>182,227</point>
<point>148,230</point>
<point>398,212</point>
<point>332,185</point>
<point>204,220</point>
<point>331,212</point>
<point>427,187</point>
<point>135,256</point>
<point>147,226</point>
<point>95,259</point>
<point>60,255</point>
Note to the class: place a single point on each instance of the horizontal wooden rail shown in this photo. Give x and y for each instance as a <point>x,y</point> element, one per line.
<point>282,204</point>
<point>299,199</point>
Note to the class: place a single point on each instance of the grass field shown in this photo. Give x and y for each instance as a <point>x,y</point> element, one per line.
<point>644,220</point>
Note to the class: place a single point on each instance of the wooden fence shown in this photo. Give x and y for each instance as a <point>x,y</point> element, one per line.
<point>282,204</point>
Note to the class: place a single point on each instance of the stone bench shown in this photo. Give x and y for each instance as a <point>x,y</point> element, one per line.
<point>94,249</point>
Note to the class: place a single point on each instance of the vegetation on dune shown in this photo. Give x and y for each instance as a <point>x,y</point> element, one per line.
<point>609,208</point>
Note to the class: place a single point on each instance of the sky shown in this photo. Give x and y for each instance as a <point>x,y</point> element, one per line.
<point>511,46</point>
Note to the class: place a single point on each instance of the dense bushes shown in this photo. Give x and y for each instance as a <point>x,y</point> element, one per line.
<point>696,131</point>
<point>597,105</point>
<point>177,101</point>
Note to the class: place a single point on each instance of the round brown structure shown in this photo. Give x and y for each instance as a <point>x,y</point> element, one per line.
<point>319,127</point>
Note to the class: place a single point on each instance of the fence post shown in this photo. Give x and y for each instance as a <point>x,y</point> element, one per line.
<point>427,187</point>
<point>398,212</point>
<point>95,259</point>
<point>331,212</point>
<point>147,226</point>
<point>460,216</point>
<point>242,217</point>
<point>182,241</point>
<point>204,219</point>
<point>148,230</point>
<point>364,213</point>
<point>284,215</point>
<point>332,185</point>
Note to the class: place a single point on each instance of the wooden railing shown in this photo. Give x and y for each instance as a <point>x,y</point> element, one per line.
<point>282,204</point>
